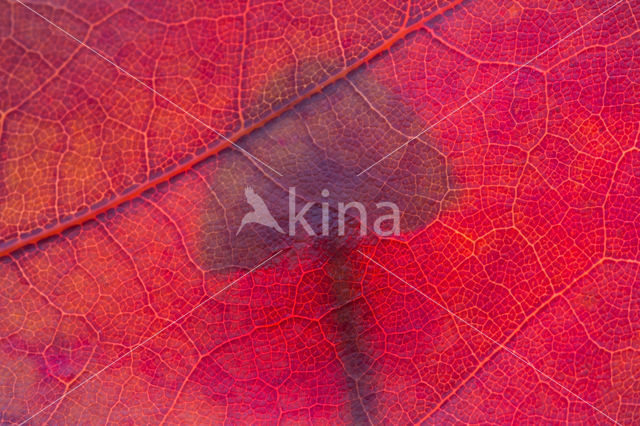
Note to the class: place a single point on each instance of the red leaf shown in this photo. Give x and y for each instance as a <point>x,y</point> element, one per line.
<point>506,133</point>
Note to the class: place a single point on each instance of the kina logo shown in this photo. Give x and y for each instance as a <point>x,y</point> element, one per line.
<point>260,213</point>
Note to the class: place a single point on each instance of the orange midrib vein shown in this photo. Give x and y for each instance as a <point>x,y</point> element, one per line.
<point>10,246</point>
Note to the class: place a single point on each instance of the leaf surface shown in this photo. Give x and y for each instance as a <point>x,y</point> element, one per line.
<point>510,295</point>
